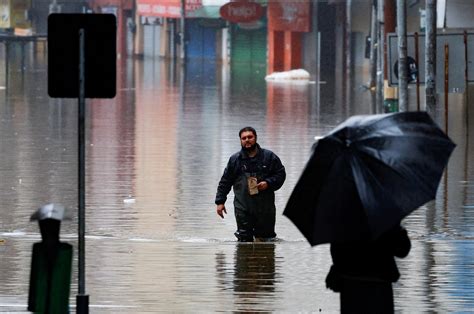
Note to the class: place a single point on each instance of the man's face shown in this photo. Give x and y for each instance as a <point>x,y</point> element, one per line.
<point>248,140</point>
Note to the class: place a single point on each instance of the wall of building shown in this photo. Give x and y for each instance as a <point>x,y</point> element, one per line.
<point>41,10</point>
<point>311,46</point>
<point>460,14</point>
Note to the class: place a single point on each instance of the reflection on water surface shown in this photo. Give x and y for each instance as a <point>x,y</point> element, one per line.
<point>154,156</point>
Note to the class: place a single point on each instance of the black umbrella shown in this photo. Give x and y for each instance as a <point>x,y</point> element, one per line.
<point>367,174</point>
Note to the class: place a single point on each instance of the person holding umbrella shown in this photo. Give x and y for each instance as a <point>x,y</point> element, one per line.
<point>363,272</point>
<point>361,180</point>
<point>255,174</point>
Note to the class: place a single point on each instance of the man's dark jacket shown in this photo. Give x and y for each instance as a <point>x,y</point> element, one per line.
<point>266,166</point>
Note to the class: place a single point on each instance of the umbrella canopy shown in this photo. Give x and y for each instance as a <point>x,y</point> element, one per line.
<point>367,174</point>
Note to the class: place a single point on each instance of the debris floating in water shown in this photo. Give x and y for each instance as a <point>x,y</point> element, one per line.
<point>292,75</point>
<point>129,200</point>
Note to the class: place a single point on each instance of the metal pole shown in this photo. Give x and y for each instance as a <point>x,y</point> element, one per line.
<point>446,86</point>
<point>373,45</point>
<point>466,78</point>
<point>402,55</point>
<point>153,41</point>
<point>348,76</point>
<point>380,55</point>
<point>348,38</point>
<point>417,60</point>
<point>7,61</point>
<point>82,299</point>
<point>430,56</point>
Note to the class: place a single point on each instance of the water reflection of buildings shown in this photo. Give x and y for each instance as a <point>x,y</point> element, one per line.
<point>289,108</point>
<point>35,154</point>
<point>439,268</point>
<point>110,153</point>
<point>132,166</point>
<point>149,142</point>
<point>292,121</point>
<point>198,145</point>
<point>156,149</point>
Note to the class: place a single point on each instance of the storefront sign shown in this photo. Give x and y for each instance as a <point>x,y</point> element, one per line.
<point>166,8</point>
<point>241,12</point>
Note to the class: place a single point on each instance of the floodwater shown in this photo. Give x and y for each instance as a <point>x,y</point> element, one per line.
<point>155,154</point>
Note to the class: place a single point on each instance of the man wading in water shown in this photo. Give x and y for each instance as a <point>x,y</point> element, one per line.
<point>255,174</point>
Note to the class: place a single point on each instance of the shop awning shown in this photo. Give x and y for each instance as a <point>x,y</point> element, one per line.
<point>172,8</point>
<point>166,8</point>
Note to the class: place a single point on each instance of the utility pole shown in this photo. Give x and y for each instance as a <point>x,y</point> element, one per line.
<point>402,55</point>
<point>430,56</point>
<point>348,74</point>
<point>380,55</point>
<point>373,45</point>
<point>348,34</point>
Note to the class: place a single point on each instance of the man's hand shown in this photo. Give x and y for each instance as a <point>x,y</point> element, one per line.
<point>221,210</point>
<point>262,186</point>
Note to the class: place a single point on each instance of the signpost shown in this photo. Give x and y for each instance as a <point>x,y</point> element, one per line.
<point>82,63</point>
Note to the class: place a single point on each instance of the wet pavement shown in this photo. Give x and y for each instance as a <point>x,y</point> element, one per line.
<point>155,154</point>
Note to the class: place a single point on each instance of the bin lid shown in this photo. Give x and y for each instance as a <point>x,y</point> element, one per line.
<point>49,211</point>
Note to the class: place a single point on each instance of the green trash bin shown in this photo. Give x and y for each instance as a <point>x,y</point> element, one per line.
<point>51,264</point>
<point>50,279</point>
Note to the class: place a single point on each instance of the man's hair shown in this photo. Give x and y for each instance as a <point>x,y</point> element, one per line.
<point>248,129</point>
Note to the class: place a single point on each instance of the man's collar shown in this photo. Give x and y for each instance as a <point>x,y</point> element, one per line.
<point>244,154</point>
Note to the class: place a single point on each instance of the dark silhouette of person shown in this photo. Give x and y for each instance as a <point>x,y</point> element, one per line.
<point>363,271</point>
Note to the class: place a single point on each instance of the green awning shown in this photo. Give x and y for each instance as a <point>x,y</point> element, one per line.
<point>208,12</point>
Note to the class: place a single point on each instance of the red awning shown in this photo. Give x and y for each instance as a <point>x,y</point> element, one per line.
<point>122,4</point>
<point>166,8</point>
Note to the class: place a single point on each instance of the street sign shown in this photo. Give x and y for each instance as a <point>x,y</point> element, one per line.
<point>82,58</point>
<point>100,55</point>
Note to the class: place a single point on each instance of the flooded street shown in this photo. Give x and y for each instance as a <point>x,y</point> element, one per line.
<point>155,154</point>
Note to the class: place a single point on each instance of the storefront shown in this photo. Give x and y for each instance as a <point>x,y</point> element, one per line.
<point>122,9</point>
<point>249,44</point>
<point>14,14</point>
<point>248,38</point>
<point>287,22</point>
<point>200,40</point>
<point>203,29</point>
